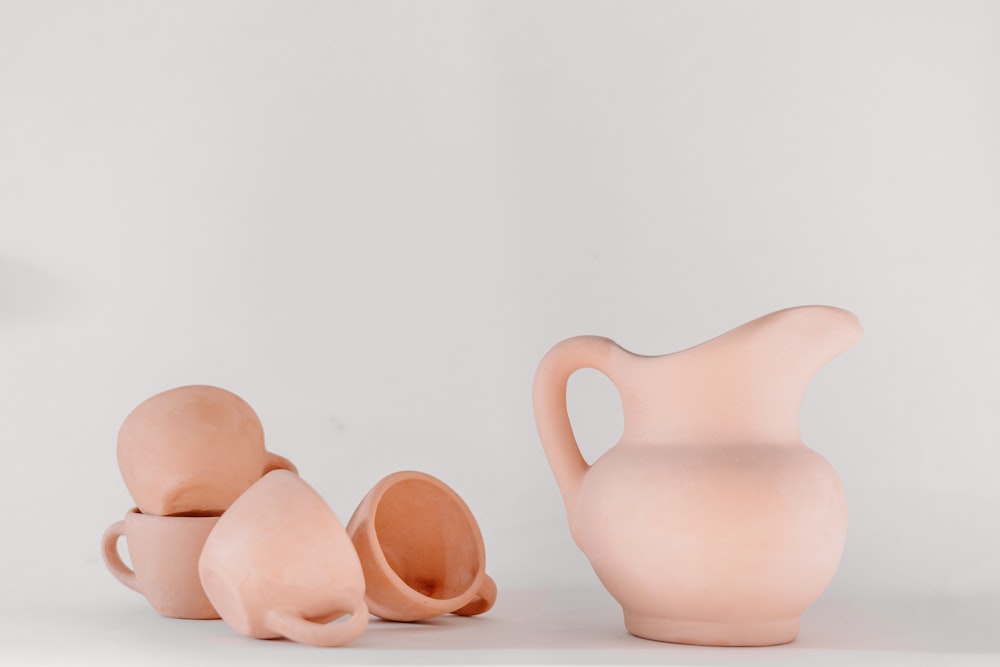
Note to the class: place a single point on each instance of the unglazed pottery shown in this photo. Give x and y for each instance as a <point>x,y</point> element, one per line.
<point>279,564</point>
<point>710,521</point>
<point>192,449</point>
<point>164,551</point>
<point>421,550</point>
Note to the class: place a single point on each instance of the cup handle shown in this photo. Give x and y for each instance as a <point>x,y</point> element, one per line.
<point>292,625</point>
<point>483,601</point>
<point>275,462</point>
<point>109,548</point>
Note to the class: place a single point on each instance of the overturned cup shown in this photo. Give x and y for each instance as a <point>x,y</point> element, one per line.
<point>421,550</point>
<point>193,449</point>
<point>279,564</point>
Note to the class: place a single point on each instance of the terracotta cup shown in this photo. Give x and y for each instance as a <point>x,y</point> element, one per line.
<point>279,564</point>
<point>421,550</point>
<point>164,551</point>
<point>192,449</point>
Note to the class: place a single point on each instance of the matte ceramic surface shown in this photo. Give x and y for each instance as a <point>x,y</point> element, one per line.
<point>279,564</point>
<point>421,550</point>
<point>164,552</point>
<point>710,521</point>
<point>192,449</point>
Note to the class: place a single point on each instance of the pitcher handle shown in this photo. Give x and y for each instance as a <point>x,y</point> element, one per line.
<point>551,415</point>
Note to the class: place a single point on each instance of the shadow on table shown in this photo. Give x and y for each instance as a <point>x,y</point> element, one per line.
<point>527,627</point>
<point>584,628</point>
<point>969,625</point>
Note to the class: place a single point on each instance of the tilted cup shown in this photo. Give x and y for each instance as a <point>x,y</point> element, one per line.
<point>192,449</point>
<point>279,564</point>
<point>421,550</point>
<point>164,551</point>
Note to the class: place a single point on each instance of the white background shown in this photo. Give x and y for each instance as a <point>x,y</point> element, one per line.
<point>371,220</point>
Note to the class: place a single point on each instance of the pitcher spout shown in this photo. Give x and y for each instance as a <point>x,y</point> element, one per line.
<point>806,338</point>
<point>741,387</point>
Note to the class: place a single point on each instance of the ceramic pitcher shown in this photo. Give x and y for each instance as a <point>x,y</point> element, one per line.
<point>710,522</point>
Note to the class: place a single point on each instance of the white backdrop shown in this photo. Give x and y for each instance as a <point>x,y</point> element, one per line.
<point>371,220</point>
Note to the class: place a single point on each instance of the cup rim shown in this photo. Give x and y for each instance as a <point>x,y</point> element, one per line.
<point>206,516</point>
<point>373,499</point>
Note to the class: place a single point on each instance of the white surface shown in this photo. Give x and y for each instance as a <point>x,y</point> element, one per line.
<point>371,220</point>
<point>526,627</point>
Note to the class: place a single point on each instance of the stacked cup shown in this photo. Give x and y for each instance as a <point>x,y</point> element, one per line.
<point>185,454</point>
<point>223,528</point>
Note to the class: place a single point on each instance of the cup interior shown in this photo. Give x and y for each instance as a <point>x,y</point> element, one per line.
<point>429,538</point>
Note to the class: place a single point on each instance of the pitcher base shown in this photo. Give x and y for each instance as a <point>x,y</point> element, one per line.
<point>712,633</point>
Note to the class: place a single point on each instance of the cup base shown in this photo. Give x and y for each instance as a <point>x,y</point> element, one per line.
<point>193,613</point>
<point>712,633</point>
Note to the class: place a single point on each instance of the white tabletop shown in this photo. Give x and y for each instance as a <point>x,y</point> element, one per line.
<point>525,627</point>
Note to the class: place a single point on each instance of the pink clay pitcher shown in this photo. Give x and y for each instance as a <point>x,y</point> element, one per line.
<point>710,522</point>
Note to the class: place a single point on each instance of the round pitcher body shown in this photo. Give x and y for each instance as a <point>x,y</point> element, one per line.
<point>712,544</point>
